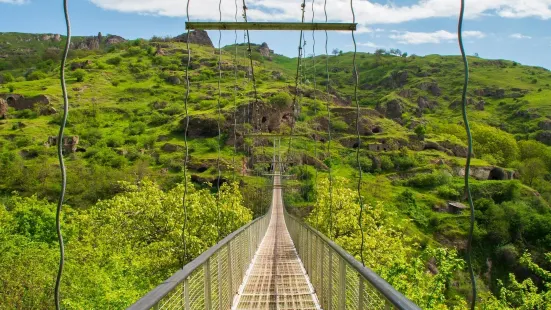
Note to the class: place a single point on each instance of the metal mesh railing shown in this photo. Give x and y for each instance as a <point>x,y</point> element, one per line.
<point>340,281</point>
<point>212,279</point>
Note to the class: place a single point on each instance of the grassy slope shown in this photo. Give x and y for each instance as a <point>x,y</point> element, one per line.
<point>114,98</point>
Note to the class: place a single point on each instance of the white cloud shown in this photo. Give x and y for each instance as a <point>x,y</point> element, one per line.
<point>408,37</point>
<point>519,36</point>
<point>14,1</point>
<point>368,44</point>
<point>367,12</point>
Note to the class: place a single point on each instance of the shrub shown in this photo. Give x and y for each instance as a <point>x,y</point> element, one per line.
<point>36,75</point>
<point>79,74</point>
<point>429,180</point>
<point>386,163</point>
<point>114,141</point>
<point>8,77</point>
<point>339,125</point>
<point>115,61</point>
<point>281,100</point>
<point>136,128</point>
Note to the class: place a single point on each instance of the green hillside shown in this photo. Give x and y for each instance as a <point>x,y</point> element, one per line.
<point>127,110</point>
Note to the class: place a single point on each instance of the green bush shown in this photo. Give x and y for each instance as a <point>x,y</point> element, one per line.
<point>386,163</point>
<point>281,100</point>
<point>36,75</point>
<point>8,77</point>
<point>79,75</point>
<point>115,61</point>
<point>429,180</point>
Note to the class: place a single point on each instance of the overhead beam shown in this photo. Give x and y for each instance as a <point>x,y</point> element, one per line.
<point>269,26</point>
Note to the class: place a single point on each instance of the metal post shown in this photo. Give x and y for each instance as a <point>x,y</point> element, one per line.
<point>342,284</point>
<point>208,296</point>
<point>361,293</point>
<point>230,276</point>
<point>186,294</point>
<point>330,275</point>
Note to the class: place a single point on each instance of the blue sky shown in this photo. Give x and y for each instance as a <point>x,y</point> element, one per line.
<point>496,29</point>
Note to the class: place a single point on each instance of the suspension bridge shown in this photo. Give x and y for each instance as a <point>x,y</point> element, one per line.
<point>276,261</point>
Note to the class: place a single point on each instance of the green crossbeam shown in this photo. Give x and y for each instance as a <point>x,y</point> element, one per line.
<point>269,26</point>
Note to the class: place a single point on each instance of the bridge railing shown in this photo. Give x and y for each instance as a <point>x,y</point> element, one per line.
<point>212,279</point>
<point>340,281</point>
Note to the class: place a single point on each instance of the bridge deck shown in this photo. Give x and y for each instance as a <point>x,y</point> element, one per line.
<point>276,278</point>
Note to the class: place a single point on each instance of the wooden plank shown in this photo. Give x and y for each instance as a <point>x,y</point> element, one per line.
<point>269,26</point>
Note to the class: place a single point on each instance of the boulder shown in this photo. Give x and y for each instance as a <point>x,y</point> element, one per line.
<point>544,137</point>
<point>170,148</point>
<point>480,105</point>
<point>423,103</point>
<point>432,87</point>
<point>545,124</point>
<point>405,93</point>
<point>200,37</point>
<point>3,109</point>
<point>392,109</point>
<point>174,80</point>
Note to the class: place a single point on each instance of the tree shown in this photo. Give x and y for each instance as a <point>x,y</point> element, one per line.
<point>340,52</point>
<point>532,169</point>
<point>404,55</point>
<point>335,51</point>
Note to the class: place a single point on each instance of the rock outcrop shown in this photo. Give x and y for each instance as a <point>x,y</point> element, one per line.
<point>113,40</point>
<point>265,51</point>
<point>395,80</point>
<point>19,102</point>
<point>432,87</point>
<point>69,143</point>
<point>392,109</point>
<point>3,109</point>
<point>200,37</point>
<point>544,137</point>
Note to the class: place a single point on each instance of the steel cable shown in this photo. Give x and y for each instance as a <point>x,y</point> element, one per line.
<point>297,80</point>
<point>469,154</point>
<point>315,97</point>
<point>235,99</point>
<point>60,157</point>
<point>359,142</point>
<point>330,175</point>
<point>218,124</point>
<point>186,146</point>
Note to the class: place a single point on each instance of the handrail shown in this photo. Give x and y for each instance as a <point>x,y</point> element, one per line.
<point>174,294</point>
<point>303,240</point>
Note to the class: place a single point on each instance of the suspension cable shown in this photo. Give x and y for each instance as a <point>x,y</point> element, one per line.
<point>315,98</point>
<point>250,54</point>
<point>218,124</point>
<point>60,157</point>
<point>469,154</point>
<point>356,78</point>
<point>297,79</point>
<point>328,126</point>
<point>235,99</point>
<point>186,146</point>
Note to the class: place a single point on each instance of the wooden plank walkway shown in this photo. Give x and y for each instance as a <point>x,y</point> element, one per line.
<point>276,278</point>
